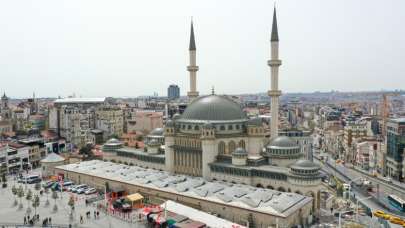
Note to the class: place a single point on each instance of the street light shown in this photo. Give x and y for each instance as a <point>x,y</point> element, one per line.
<point>350,184</point>
<point>357,206</point>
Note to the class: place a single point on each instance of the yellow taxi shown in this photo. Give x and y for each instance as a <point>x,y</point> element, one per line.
<point>379,214</point>
<point>396,220</point>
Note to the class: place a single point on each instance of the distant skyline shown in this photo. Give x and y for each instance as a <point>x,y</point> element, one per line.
<point>127,48</point>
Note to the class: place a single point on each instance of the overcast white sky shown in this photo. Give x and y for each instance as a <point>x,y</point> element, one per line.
<point>130,48</point>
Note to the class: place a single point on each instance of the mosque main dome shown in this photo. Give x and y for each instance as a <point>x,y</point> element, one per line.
<point>214,108</point>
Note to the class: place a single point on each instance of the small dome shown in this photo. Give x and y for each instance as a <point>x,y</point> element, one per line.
<point>169,123</point>
<point>282,142</point>
<point>255,122</point>
<point>215,108</point>
<point>305,164</point>
<point>157,132</point>
<point>52,157</point>
<point>240,151</point>
<point>176,116</point>
<point>113,141</point>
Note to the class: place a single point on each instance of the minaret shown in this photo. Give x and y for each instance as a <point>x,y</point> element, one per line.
<point>192,68</point>
<point>274,63</point>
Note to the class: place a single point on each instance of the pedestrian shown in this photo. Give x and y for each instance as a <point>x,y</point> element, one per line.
<point>331,210</point>
<point>28,218</point>
<point>38,217</point>
<point>50,220</point>
<point>25,220</point>
<point>98,214</point>
<point>81,219</point>
<point>95,214</point>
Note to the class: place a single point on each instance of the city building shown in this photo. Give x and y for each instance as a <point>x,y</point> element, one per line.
<point>5,111</point>
<point>395,148</point>
<point>173,92</point>
<point>352,132</point>
<point>145,121</point>
<point>75,118</point>
<point>110,120</point>
<point>14,157</point>
<point>5,127</point>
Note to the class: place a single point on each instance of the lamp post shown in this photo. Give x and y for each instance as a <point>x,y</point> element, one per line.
<point>357,206</point>
<point>350,185</point>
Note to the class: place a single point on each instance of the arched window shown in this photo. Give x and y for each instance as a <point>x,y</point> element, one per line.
<point>231,146</point>
<point>221,147</point>
<point>242,143</point>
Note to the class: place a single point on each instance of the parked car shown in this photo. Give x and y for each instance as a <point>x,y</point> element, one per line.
<point>82,190</point>
<point>65,185</point>
<point>31,179</point>
<point>90,191</point>
<point>75,189</point>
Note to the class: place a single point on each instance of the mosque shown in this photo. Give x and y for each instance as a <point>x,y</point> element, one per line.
<point>215,139</point>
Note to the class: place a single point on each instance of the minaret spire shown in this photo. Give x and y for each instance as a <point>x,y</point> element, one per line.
<point>274,30</point>
<point>274,64</point>
<point>192,39</point>
<point>192,68</point>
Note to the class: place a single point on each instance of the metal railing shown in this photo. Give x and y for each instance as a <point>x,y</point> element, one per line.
<point>21,225</point>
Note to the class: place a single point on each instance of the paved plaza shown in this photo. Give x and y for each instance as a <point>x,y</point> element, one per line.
<point>10,214</point>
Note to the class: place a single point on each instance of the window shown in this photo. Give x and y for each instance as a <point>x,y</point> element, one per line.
<point>230,127</point>
<point>222,128</point>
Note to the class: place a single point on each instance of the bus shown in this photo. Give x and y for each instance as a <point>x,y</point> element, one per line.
<point>397,202</point>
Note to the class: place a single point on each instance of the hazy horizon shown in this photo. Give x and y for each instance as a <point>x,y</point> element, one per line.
<point>128,49</point>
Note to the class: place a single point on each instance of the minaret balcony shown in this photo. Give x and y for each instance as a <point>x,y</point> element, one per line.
<point>192,94</point>
<point>274,62</point>
<point>192,68</point>
<point>274,93</point>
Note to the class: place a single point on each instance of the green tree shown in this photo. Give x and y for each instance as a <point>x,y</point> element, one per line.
<point>55,196</point>
<point>46,190</point>
<point>35,203</point>
<point>87,151</point>
<point>20,194</point>
<point>28,197</point>
<point>14,190</point>
<point>4,180</point>
<point>71,204</point>
<point>37,186</point>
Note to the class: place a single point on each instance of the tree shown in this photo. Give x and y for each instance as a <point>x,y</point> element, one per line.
<point>35,203</point>
<point>55,196</point>
<point>87,151</point>
<point>20,194</point>
<point>4,180</point>
<point>37,186</point>
<point>14,190</point>
<point>28,197</point>
<point>71,204</point>
<point>46,190</point>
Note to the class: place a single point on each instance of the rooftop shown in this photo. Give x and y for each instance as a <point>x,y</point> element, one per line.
<point>79,100</point>
<point>236,195</point>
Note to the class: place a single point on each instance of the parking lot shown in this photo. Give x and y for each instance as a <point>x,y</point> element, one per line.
<point>10,213</point>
